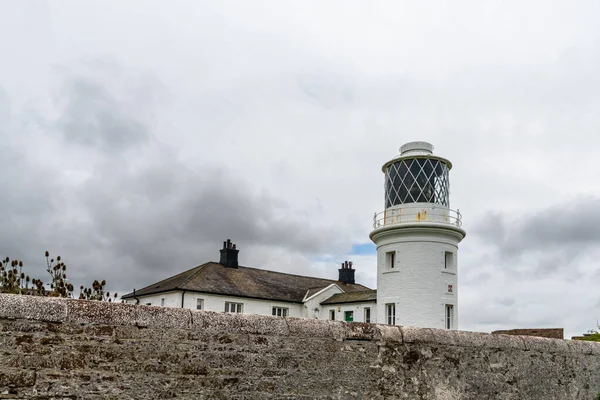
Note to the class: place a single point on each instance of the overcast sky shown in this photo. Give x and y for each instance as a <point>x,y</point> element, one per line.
<point>135,136</point>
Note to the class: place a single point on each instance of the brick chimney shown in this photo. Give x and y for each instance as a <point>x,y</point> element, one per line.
<point>229,255</point>
<point>346,273</point>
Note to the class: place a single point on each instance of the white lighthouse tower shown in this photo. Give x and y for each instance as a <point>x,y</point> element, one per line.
<point>417,240</point>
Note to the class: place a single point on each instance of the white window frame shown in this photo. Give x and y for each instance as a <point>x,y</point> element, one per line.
<point>280,311</point>
<point>368,314</point>
<point>390,259</point>
<point>390,313</point>
<point>199,304</point>
<point>449,317</point>
<point>162,302</point>
<point>236,308</point>
<point>448,260</point>
<point>332,315</point>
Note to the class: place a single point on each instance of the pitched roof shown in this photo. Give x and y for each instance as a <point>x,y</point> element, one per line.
<point>352,297</point>
<point>313,291</point>
<point>243,282</point>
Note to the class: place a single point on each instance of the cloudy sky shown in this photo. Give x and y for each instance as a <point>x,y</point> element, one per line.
<point>136,136</point>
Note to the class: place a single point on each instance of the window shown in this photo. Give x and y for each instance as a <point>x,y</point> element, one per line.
<point>332,315</point>
<point>390,312</point>
<point>280,311</point>
<point>199,304</point>
<point>367,314</point>
<point>233,307</point>
<point>162,302</point>
<point>448,260</point>
<point>390,259</point>
<point>348,316</point>
<point>449,316</point>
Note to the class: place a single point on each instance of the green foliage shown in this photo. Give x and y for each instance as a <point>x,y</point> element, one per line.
<point>598,396</point>
<point>13,280</point>
<point>593,337</point>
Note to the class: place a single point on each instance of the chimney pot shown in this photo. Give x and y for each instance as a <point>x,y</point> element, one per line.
<point>229,255</point>
<point>346,273</point>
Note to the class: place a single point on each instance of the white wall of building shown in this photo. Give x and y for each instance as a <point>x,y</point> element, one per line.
<point>171,299</point>
<point>358,310</point>
<point>312,305</point>
<point>418,283</point>
<point>213,302</point>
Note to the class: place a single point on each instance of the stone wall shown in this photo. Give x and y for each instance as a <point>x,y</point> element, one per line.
<point>553,333</point>
<point>56,348</point>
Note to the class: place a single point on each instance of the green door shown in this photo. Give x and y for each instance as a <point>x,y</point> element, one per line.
<point>348,316</point>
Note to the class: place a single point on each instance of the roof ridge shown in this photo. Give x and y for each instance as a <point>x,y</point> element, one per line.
<point>286,273</point>
<point>152,285</point>
<point>357,291</point>
<point>198,269</point>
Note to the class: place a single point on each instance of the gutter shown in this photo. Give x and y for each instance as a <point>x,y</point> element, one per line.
<point>182,297</point>
<point>137,301</point>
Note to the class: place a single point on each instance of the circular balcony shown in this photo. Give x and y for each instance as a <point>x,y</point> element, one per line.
<point>417,213</point>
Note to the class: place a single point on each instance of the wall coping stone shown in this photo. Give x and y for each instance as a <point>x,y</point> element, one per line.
<point>85,312</point>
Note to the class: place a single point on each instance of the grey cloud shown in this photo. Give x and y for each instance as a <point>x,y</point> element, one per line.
<point>28,197</point>
<point>165,211</point>
<point>93,117</point>
<point>574,226</point>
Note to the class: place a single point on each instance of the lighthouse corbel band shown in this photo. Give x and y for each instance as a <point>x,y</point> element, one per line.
<point>417,237</point>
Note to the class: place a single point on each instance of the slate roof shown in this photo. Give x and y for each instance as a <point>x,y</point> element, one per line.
<point>312,291</point>
<point>249,282</point>
<point>352,297</point>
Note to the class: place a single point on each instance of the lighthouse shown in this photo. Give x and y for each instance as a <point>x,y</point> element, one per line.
<point>417,237</point>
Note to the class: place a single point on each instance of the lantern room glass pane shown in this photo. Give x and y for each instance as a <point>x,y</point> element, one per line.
<point>417,180</point>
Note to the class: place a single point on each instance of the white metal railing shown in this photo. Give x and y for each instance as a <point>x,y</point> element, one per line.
<point>396,216</point>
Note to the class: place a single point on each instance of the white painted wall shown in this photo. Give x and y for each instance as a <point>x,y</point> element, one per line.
<point>213,302</point>
<point>312,305</point>
<point>172,299</point>
<point>357,308</point>
<point>418,283</point>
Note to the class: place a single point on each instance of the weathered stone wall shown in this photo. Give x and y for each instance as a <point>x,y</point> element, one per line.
<point>553,333</point>
<point>55,348</point>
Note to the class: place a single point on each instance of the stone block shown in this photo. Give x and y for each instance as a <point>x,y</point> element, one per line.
<point>389,333</point>
<point>362,331</point>
<point>48,309</point>
<point>216,323</point>
<point>16,378</point>
<point>411,334</point>
<point>502,342</point>
<point>545,345</point>
<point>584,347</point>
<point>472,339</point>
<point>313,327</point>
<point>99,312</point>
<point>445,337</point>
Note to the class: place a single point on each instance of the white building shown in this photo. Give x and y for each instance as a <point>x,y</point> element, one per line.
<point>227,286</point>
<point>417,240</point>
